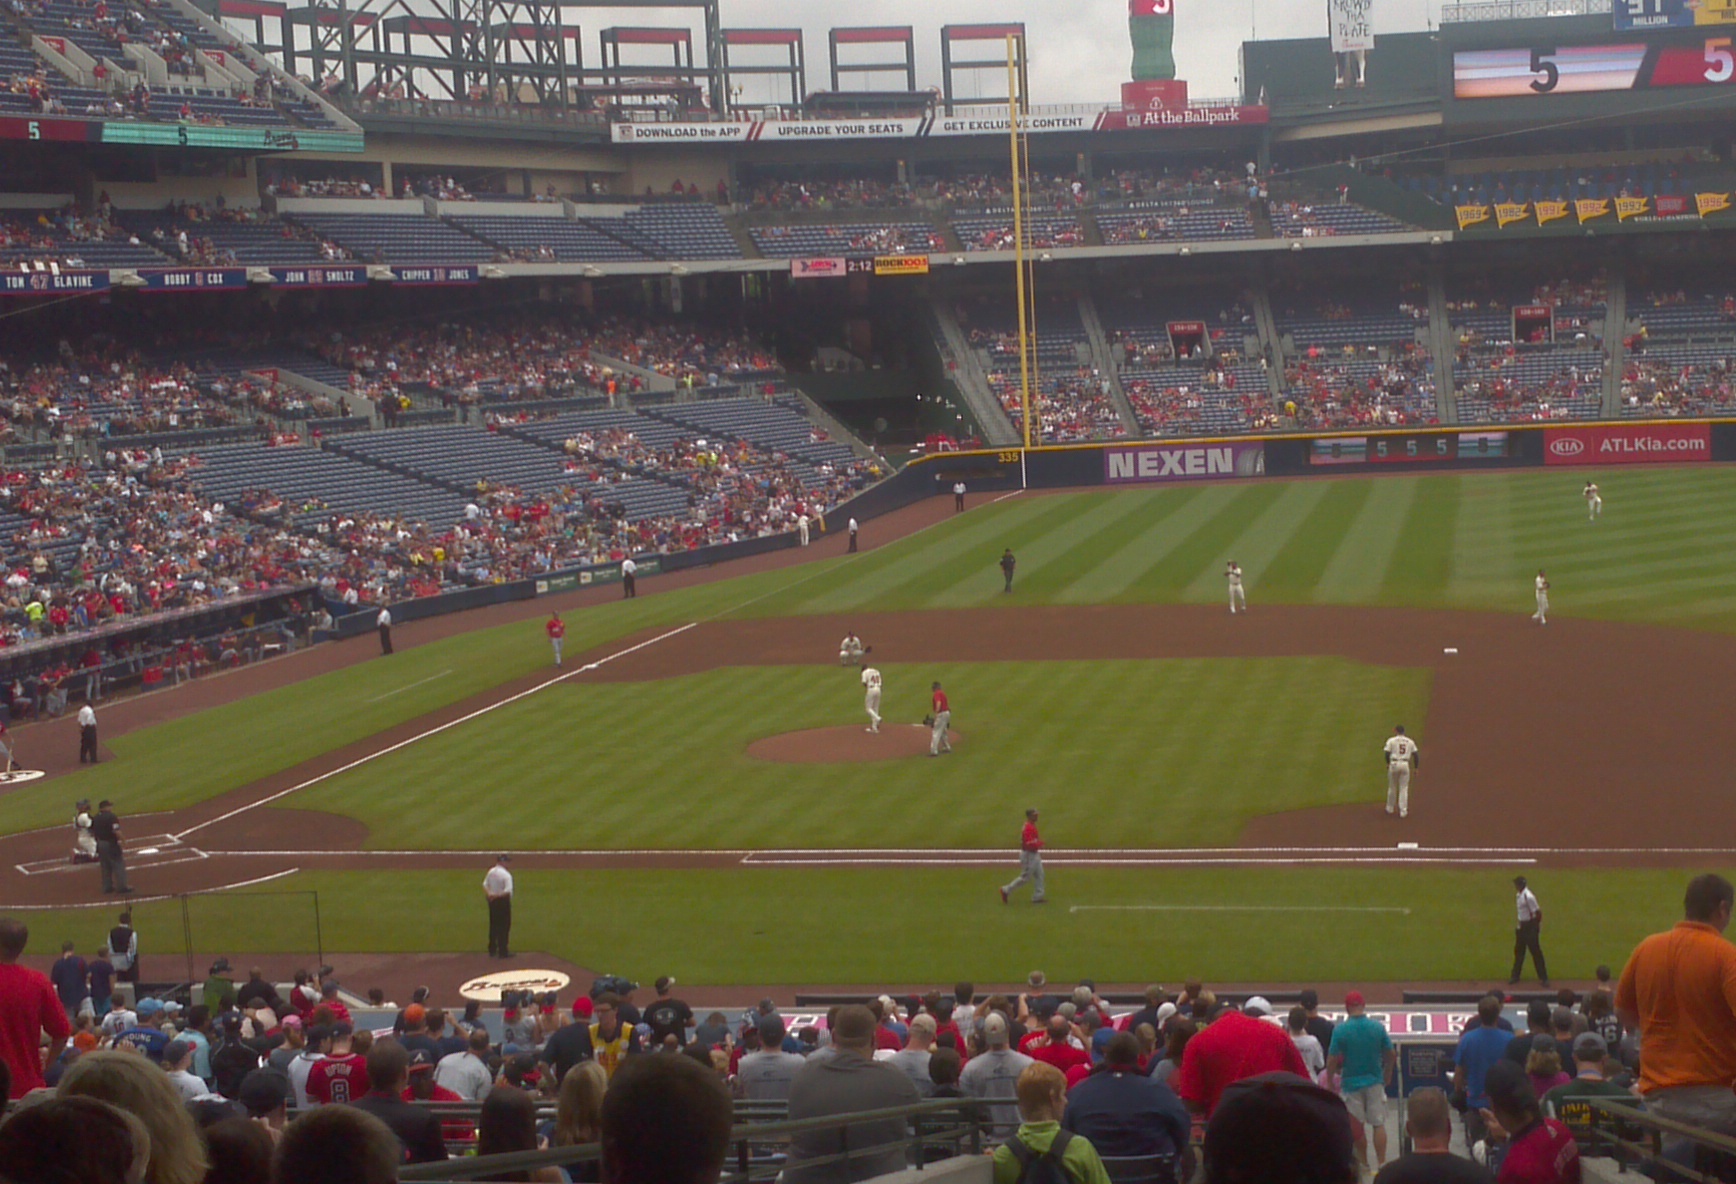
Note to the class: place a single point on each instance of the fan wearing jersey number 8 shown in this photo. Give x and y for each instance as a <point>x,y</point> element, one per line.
<point>342,1076</point>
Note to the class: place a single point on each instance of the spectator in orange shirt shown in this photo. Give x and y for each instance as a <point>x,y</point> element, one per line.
<point>1679,990</point>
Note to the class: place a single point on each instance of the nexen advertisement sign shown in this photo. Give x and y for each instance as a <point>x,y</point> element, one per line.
<point>1638,445</point>
<point>1198,462</point>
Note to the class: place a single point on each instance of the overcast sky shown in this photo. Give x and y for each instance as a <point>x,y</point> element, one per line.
<point>1079,48</point>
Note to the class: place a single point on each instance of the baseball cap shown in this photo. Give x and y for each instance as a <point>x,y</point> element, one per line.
<point>1165,1012</point>
<point>583,1008</point>
<point>1589,1046</point>
<point>170,1007</point>
<point>292,1021</point>
<point>148,1007</point>
<point>1038,979</point>
<point>221,966</point>
<point>175,1050</point>
<point>415,1014</point>
<point>664,983</point>
<point>421,1059</point>
<point>1067,1009</point>
<point>341,1030</point>
<point>995,1029</point>
<point>1258,1005</point>
<point>261,1092</point>
<point>1355,999</point>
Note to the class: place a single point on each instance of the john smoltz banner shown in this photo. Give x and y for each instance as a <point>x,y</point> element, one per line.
<point>1352,23</point>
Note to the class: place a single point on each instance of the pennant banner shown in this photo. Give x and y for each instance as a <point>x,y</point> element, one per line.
<point>1711,203</point>
<point>1471,215</point>
<point>1509,212</point>
<point>1630,207</point>
<point>1550,211</point>
<point>1588,208</point>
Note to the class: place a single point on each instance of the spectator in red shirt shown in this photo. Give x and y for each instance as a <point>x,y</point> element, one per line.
<point>1539,1150</point>
<point>28,1008</point>
<point>1056,1046</point>
<point>1233,1047</point>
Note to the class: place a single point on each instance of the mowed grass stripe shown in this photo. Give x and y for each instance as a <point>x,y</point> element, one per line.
<point>1205,549</point>
<point>1295,571</point>
<point>1256,546</point>
<point>1354,573</point>
<point>972,576</point>
<point>891,568</point>
<point>1423,566</point>
<point>1178,513</point>
<point>1105,531</point>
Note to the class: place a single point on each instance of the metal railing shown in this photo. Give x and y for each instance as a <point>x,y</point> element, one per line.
<point>933,1131</point>
<point>1662,1148</point>
<point>1520,10</point>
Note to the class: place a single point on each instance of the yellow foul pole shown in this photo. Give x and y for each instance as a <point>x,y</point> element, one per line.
<point>1019,240</point>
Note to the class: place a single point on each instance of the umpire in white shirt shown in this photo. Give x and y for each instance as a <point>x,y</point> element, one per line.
<point>497,886</point>
<point>1527,936</point>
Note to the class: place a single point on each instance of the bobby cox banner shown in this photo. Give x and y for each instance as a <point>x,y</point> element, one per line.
<point>1641,444</point>
<point>46,283</point>
<point>1191,462</point>
<point>193,279</point>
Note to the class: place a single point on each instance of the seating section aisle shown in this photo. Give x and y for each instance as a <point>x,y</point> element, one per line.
<point>459,456</point>
<point>1554,372</point>
<point>1072,400</point>
<point>1213,389</point>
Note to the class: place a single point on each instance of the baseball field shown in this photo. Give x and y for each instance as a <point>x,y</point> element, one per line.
<point>693,792</point>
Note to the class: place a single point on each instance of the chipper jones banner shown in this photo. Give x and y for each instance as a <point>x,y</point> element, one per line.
<point>1640,444</point>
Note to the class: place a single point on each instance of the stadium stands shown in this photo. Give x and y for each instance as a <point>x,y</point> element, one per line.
<point>1072,400</point>
<point>793,242</point>
<point>397,238</point>
<point>1214,389</point>
<point>1355,355</point>
<point>1546,368</point>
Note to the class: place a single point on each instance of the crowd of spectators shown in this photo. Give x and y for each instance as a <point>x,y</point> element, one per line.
<point>103,390</point>
<point>179,235</point>
<point>1238,1091</point>
<point>1321,392</point>
<point>1069,407</point>
<point>54,235</point>
<point>1057,192</point>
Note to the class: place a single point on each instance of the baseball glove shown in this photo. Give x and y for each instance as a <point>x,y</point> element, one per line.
<point>928,721</point>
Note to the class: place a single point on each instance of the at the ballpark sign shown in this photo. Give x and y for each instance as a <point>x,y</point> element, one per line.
<point>927,127</point>
<point>1186,462</point>
<point>1641,444</point>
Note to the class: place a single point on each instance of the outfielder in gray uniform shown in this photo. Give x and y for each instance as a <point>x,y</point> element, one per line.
<point>1030,862</point>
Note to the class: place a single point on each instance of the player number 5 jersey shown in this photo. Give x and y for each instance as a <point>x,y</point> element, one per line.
<point>1400,750</point>
<point>871,679</point>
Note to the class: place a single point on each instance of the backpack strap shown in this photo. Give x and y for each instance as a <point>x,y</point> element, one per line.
<point>1029,1159</point>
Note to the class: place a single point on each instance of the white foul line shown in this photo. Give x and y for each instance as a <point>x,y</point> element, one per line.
<point>1234,908</point>
<point>409,686</point>
<point>1005,496</point>
<point>133,901</point>
<point>435,731</point>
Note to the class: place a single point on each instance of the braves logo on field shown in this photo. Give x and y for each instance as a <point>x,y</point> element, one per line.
<point>20,776</point>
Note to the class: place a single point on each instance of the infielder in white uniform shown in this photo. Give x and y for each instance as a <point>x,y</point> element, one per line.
<point>1401,757</point>
<point>1593,500</point>
<point>850,650</point>
<point>871,697</point>
<point>1541,616</point>
<point>1233,575</point>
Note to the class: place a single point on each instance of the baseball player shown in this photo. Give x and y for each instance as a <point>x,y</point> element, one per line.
<point>850,650</point>
<point>1030,861</point>
<point>941,713</point>
<point>1401,757</point>
<point>6,748</point>
<point>557,629</point>
<point>1008,565</point>
<point>1593,501</point>
<point>802,528</point>
<point>83,841</point>
<point>871,697</point>
<point>1233,576</point>
<point>1541,616</point>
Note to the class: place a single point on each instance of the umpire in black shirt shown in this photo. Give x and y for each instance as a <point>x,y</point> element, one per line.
<point>105,828</point>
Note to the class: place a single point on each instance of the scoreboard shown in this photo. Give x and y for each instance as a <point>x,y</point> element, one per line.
<point>1408,448</point>
<point>1540,71</point>
<point>1672,14</point>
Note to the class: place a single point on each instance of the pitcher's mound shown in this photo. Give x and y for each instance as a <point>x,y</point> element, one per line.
<point>824,746</point>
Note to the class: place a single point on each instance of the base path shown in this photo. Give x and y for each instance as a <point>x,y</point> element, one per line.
<point>830,746</point>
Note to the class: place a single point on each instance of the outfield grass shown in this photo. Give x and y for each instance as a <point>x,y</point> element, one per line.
<point>815,925</point>
<point>618,764</point>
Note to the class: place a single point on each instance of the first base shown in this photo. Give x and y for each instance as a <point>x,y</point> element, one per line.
<point>1452,649</point>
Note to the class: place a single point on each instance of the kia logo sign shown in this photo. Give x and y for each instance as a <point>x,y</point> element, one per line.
<point>1567,447</point>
